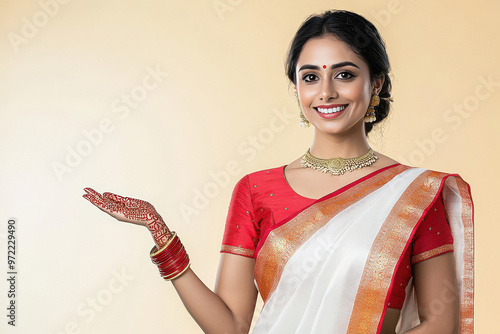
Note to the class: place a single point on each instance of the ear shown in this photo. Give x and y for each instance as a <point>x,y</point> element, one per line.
<point>378,83</point>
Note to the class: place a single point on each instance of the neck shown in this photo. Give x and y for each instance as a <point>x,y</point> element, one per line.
<point>327,146</point>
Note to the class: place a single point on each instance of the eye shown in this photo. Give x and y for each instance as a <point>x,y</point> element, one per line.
<point>344,75</point>
<point>309,78</point>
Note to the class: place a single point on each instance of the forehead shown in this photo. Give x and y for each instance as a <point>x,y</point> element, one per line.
<point>327,50</point>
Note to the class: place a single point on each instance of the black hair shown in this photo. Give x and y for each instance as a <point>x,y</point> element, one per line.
<point>363,39</point>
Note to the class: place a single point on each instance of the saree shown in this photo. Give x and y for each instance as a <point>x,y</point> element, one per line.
<point>330,268</point>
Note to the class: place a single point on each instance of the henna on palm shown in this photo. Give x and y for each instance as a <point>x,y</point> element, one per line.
<point>133,209</point>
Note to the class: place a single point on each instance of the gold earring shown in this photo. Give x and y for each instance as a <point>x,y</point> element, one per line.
<point>303,120</point>
<point>370,113</point>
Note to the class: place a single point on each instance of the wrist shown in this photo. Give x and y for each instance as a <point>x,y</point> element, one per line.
<point>171,259</point>
<point>161,239</point>
<point>160,232</point>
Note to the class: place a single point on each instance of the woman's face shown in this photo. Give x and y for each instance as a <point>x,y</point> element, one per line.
<point>333,86</point>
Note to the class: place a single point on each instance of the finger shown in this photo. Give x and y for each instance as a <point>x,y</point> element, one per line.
<point>113,197</point>
<point>91,191</point>
<point>116,207</point>
<point>97,201</point>
<point>95,198</point>
<point>114,201</point>
<point>113,208</point>
<point>92,195</point>
<point>127,201</point>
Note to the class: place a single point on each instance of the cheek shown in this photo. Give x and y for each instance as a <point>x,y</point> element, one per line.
<point>307,95</point>
<point>357,92</point>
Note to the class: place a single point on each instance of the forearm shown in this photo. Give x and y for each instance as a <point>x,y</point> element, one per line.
<point>207,308</point>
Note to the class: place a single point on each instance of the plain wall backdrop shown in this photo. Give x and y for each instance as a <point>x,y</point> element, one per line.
<point>173,102</point>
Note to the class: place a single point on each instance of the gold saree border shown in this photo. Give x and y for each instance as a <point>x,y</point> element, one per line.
<point>389,245</point>
<point>386,251</point>
<point>282,242</point>
<point>467,298</point>
<point>431,253</point>
<point>237,250</point>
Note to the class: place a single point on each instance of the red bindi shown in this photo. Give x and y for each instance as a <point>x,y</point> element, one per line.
<point>324,66</point>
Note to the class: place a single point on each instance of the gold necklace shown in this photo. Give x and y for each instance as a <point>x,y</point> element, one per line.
<point>338,166</point>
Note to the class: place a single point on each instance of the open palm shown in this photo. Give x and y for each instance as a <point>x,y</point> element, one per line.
<point>130,210</point>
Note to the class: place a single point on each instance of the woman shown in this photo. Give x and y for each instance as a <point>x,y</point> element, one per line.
<point>359,244</point>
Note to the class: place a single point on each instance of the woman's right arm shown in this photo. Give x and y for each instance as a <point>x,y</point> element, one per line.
<point>230,308</point>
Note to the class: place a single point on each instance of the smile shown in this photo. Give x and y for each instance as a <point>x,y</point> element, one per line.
<point>330,109</point>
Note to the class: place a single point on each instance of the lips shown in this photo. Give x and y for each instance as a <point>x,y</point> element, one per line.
<point>331,110</point>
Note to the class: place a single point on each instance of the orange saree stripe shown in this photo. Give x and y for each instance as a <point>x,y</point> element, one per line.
<point>390,244</point>
<point>386,251</point>
<point>467,304</point>
<point>286,239</point>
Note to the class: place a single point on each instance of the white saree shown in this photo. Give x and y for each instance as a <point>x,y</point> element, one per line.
<point>330,268</point>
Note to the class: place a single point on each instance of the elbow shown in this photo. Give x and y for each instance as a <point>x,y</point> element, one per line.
<point>439,327</point>
<point>444,321</point>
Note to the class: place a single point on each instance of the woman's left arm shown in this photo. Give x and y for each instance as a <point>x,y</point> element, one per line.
<point>437,296</point>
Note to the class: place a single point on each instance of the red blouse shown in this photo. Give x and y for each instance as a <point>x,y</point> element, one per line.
<point>262,198</point>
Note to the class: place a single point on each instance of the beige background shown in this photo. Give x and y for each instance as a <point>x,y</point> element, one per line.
<point>64,70</point>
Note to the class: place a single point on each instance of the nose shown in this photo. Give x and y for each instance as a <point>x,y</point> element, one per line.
<point>327,90</point>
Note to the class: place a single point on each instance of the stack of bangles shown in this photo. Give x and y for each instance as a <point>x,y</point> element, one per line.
<point>172,259</point>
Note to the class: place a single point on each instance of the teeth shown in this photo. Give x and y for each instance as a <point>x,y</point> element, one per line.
<point>331,110</point>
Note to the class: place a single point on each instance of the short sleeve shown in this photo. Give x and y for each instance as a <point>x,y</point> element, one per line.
<point>433,236</point>
<point>241,232</point>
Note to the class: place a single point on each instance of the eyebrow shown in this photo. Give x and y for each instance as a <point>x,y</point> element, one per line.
<point>334,66</point>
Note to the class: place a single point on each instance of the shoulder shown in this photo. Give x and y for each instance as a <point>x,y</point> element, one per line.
<point>265,177</point>
<point>438,176</point>
<point>264,174</point>
<point>384,160</point>
<point>433,181</point>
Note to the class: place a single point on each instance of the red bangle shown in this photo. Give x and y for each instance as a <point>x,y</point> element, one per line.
<point>169,274</point>
<point>172,259</point>
<point>155,251</point>
<point>178,264</point>
<point>172,248</point>
<point>178,272</point>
